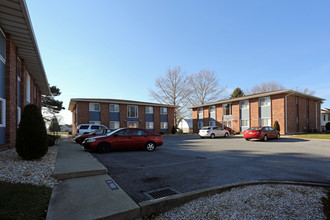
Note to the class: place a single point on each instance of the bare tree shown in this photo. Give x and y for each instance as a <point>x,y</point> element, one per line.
<point>173,89</point>
<point>273,86</point>
<point>205,88</point>
<point>265,87</point>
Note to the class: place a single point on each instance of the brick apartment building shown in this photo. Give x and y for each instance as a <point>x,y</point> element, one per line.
<point>295,112</point>
<point>115,113</point>
<point>22,76</point>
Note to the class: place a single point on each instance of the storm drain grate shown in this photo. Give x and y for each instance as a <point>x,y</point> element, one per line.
<point>160,193</point>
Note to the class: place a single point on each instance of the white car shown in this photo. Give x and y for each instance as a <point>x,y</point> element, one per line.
<point>87,128</point>
<point>212,132</point>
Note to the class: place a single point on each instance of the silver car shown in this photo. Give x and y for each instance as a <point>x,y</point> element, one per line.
<point>212,132</point>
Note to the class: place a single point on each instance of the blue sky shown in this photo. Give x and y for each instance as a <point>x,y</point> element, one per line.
<point>116,49</point>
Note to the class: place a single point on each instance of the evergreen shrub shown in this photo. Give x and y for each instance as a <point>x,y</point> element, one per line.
<point>276,126</point>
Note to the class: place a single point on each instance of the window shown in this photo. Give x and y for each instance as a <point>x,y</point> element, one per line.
<point>163,111</point>
<point>244,123</point>
<point>245,104</point>
<point>264,111</point>
<point>2,46</point>
<point>18,68</point>
<point>95,127</point>
<point>200,113</point>
<point>94,107</point>
<point>163,125</point>
<point>324,117</point>
<point>83,127</point>
<point>212,111</point>
<point>328,117</point>
<point>200,125</point>
<point>132,111</point>
<point>95,123</point>
<point>28,88</point>
<point>212,123</point>
<point>114,108</point>
<point>114,124</point>
<point>226,109</point>
<point>149,110</point>
<point>18,115</point>
<point>2,112</point>
<point>138,132</point>
<point>124,133</point>
<point>132,124</point>
<point>149,125</point>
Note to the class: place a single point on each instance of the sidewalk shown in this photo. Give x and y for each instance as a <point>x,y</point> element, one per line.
<point>85,191</point>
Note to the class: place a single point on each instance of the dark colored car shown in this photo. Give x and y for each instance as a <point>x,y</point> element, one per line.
<point>261,133</point>
<point>80,138</point>
<point>124,138</point>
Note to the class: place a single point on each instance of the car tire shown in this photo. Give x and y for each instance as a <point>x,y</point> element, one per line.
<point>265,138</point>
<point>150,146</point>
<point>278,136</point>
<point>212,136</point>
<point>104,148</point>
<point>247,139</point>
<point>226,135</point>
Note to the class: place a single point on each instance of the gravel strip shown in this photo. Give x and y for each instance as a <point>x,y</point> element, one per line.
<point>37,172</point>
<point>267,201</point>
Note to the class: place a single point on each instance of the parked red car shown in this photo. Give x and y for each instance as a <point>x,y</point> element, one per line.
<point>80,138</point>
<point>124,138</point>
<point>261,133</point>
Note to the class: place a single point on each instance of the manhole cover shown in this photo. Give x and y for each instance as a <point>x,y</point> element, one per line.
<point>160,193</point>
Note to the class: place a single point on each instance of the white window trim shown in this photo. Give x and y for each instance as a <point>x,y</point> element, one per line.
<point>115,123</point>
<point>18,115</point>
<point>163,123</point>
<point>150,123</point>
<point>90,104</point>
<point>137,111</point>
<point>3,116</point>
<point>3,59</point>
<point>198,110</point>
<point>270,106</point>
<point>162,113</point>
<point>152,111</point>
<point>28,87</point>
<point>114,105</point>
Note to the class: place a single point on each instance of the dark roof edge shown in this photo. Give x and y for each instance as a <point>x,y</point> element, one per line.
<point>258,95</point>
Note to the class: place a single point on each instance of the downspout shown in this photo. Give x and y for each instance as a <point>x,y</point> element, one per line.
<point>286,112</point>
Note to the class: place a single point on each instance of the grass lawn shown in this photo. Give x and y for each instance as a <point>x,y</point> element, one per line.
<point>23,201</point>
<point>313,136</point>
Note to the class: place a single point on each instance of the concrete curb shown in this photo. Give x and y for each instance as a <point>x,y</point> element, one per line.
<point>152,207</point>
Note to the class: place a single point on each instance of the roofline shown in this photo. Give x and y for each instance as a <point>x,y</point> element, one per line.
<point>74,101</point>
<point>259,95</point>
<point>19,26</point>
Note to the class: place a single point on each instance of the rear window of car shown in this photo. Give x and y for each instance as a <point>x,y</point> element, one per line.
<point>84,126</point>
<point>138,132</point>
<point>206,128</point>
<point>95,127</point>
<point>126,132</point>
<point>255,128</point>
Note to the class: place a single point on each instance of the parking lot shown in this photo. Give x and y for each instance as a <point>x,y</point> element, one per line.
<point>186,163</point>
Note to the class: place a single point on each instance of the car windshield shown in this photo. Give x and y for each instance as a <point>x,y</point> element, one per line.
<point>206,128</point>
<point>113,131</point>
<point>255,128</point>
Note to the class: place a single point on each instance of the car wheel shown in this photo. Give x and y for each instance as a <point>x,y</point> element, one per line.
<point>226,134</point>
<point>278,136</point>
<point>247,139</point>
<point>265,138</point>
<point>212,136</point>
<point>104,148</point>
<point>150,146</point>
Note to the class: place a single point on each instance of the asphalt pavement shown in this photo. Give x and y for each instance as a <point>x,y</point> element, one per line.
<point>188,163</point>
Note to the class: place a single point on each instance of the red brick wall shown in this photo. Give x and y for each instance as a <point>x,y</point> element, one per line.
<point>206,116</point>
<point>170,118</point>
<point>11,91</point>
<point>291,114</point>
<point>219,114</point>
<point>236,116</point>
<point>254,112</point>
<point>302,114</point>
<point>142,116</point>
<point>23,85</point>
<point>105,114</point>
<point>156,119</point>
<point>195,120</point>
<point>83,112</point>
<point>278,111</point>
<point>74,120</point>
<point>123,115</point>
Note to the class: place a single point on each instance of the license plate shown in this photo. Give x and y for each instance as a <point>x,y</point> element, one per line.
<point>250,132</point>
